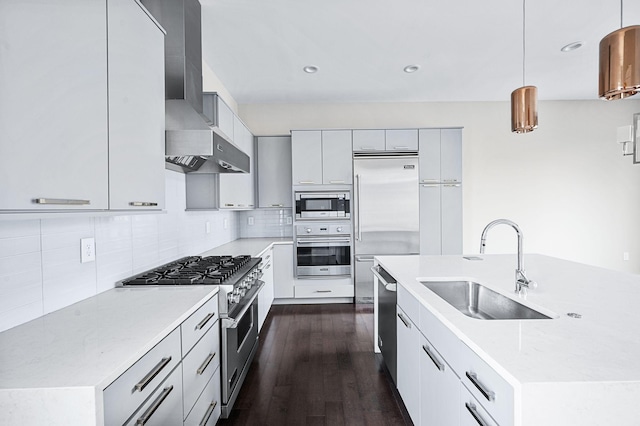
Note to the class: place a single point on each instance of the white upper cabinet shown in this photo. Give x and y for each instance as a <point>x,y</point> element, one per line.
<point>274,171</point>
<point>337,163</point>
<point>321,157</point>
<point>429,155</point>
<point>53,105</point>
<point>136,108</point>
<point>368,140</point>
<point>451,155</point>
<point>401,140</point>
<point>306,157</point>
<point>237,190</point>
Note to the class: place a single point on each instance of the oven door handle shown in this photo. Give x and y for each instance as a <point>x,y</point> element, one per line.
<point>233,322</point>
<point>325,242</point>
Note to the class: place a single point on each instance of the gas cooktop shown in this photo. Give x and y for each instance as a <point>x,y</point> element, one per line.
<point>193,270</point>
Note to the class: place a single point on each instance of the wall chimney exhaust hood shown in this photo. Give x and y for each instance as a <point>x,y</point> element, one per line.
<point>191,139</point>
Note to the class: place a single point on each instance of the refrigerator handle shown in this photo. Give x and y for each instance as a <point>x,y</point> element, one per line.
<point>357,206</point>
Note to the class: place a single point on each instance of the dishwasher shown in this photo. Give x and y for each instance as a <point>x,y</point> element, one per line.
<point>387,300</point>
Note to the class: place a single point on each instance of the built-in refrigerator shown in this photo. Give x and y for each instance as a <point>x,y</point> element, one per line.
<point>386,213</point>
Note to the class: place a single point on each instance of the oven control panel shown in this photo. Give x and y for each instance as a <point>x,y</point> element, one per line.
<point>314,229</point>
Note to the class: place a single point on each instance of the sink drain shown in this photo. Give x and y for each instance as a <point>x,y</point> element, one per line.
<point>574,315</point>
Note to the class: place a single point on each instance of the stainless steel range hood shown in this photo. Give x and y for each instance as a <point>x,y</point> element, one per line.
<point>192,142</point>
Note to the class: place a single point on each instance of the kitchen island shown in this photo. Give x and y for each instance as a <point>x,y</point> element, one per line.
<point>561,371</point>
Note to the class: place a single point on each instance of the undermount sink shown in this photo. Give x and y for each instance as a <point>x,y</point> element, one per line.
<point>477,301</point>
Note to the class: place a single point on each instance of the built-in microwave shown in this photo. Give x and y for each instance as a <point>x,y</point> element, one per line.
<point>323,205</point>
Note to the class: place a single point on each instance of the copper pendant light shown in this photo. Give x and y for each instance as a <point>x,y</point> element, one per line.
<point>524,100</point>
<point>620,63</point>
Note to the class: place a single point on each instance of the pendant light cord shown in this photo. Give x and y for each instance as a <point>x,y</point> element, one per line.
<point>524,45</point>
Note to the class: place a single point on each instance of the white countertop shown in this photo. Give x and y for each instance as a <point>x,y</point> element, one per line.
<point>602,346</point>
<point>250,246</point>
<point>92,342</point>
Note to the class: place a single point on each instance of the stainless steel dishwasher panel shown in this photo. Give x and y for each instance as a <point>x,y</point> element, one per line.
<point>387,300</point>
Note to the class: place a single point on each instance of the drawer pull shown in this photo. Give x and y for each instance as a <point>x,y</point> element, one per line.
<point>208,414</point>
<point>206,363</point>
<point>63,201</point>
<point>308,182</point>
<point>142,420</point>
<point>143,204</point>
<point>452,185</point>
<point>205,320</point>
<point>277,205</point>
<point>435,360</point>
<point>336,181</point>
<point>406,323</point>
<point>490,395</point>
<point>268,266</point>
<point>152,374</point>
<point>477,417</point>
<point>401,147</point>
<point>323,291</point>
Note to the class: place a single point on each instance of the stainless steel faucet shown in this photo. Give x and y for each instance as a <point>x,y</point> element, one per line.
<point>522,282</point>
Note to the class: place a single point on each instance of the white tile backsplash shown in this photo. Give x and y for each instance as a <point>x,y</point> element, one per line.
<point>266,223</point>
<point>40,269</point>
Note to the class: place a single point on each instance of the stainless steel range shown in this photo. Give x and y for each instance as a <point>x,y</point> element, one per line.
<point>238,280</point>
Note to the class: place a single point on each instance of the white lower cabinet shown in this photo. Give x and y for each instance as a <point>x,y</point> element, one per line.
<point>283,271</point>
<point>408,360</point>
<point>439,388</point>
<point>164,408</point>
<point>323,288</point>
<point>206,411</point>
<point>265,298</point>
<point>198,367</point>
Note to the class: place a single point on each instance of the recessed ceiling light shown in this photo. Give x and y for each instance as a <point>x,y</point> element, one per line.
<point>310,69</point>
<point>572,46</point>
<point>411,68</point>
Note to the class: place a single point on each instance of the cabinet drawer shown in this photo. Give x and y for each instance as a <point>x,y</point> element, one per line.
<point>199,365</point>
<point>409,304</point>
<point>473,413</point>
<point>323,290</point>
<point>486,385</point>
<point>442,338</point>
<point>164,408</point>
<point>127,392</point>
<point>206,411</point>
<point>194,327</point>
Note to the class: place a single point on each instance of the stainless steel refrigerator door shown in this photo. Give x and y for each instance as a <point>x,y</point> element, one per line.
<point>386,205</point>
<point>364,279</point>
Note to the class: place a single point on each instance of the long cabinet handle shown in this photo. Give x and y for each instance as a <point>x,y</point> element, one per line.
<point>306,182</point>
<point>490,395</point>
<point>474,412</point>
<point>450,180</point>
<point>429,185</point>
<point>452,185</point>
<point>143,204</point>
<point>406,323</point>
<point>142,420</point>
<point>429,181</point>
<point>152,374</point>
<point>206,363</point>
<point>401,147</point>
<point>433,357</point>
<point>277,205</point>
<point>62,201</point>
<point>358,230</point>
<point>205,320</point>
<point>208,414</point>
<point>322,291</point>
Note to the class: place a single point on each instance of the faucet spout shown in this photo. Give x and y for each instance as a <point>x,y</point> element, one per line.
<point>521,278</point>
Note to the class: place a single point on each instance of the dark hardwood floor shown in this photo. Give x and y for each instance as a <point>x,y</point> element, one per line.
<point>316,366</point>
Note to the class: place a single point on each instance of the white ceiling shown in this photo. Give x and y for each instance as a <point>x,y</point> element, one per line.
<point>468,50</point>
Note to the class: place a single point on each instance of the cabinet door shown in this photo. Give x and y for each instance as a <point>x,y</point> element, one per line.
<point>451,155</point>
<point>306,157</point>
<point>429,154</point>
<point>274,171</point>
<point>283,271</point>
<point>408,370</point>
<point>472,413</point>
<point>451,213</point>
<point>237,189</point>
<point>431,219</point>
<point>368,140</point>
<point>336,157</point>
<point>136,108</point>
<point>53,105</point>
<point>164,408</point>
<point>265,298</point>
<point>401,140</point>
<point>439,388</point>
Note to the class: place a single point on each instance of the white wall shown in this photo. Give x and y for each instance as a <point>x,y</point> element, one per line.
<point>566,184</point>
<point>40,269</point>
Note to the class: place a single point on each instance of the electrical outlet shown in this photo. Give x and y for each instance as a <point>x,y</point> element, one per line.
<point>225,223</point>
<point>625,255</point>
<point>250,220</point>
<point>207,227</point>
<point>87,250</point>
<point>289,220</point>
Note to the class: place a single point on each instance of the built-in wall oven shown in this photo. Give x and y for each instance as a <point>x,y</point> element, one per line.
<point>322,250</point>
<point>323,205</point>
